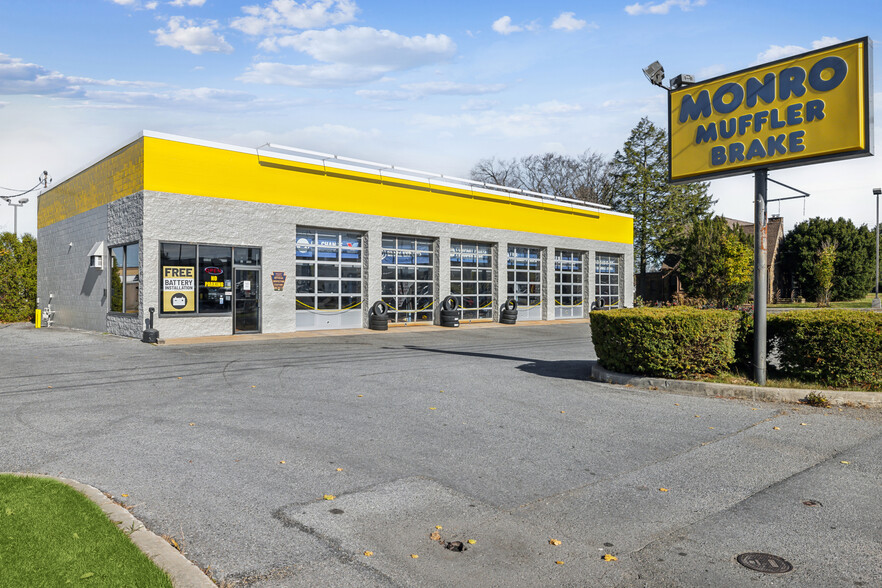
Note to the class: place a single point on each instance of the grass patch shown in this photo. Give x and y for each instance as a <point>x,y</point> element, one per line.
<point>773,380</point>
<point>51,535</point>
<point>865,302</point>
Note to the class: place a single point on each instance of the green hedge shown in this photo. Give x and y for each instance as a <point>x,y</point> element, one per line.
<point>832,347</point>
<point>666,342</point>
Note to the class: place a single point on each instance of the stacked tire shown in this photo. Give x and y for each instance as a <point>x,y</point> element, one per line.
<point>508,314</point>
<point>449,312</point>
<point>379,317</point>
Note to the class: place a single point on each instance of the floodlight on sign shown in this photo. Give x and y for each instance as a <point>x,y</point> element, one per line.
<point>655,73</point>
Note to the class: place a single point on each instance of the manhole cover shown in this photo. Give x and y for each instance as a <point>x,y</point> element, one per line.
<point>764,562</point>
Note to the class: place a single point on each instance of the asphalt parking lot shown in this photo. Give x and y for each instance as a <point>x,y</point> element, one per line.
<point>493,434</point>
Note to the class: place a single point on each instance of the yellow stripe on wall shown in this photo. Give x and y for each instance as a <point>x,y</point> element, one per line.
<point>176,167</point>
<point>115,176</point>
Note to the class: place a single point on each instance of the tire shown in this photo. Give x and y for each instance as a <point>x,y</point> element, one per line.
<point>380,308</point>
<point>505,321</point>
<point>450,303</point>
<point>379,326</point>
<point>510,305</point>
<point>449,314</point>
<point>512,316</point>
<point>450,323</point>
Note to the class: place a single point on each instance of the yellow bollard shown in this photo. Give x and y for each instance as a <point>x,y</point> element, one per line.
<point>37,316</point>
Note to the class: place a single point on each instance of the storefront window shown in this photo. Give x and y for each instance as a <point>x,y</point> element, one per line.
<point>606,279</point>
<point>471,278</point>
<point>408,278</point>
<point>328,270</point>
<point>525,281</point>
<point>214,279</point>
<point>178,274</point>
<point>125,279</point>
<point>568,284</point>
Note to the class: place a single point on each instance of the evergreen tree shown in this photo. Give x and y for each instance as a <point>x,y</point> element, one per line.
<point>18,277</point>
<point>717,262</point>
<point>662,212</point>
<point>854,265</point>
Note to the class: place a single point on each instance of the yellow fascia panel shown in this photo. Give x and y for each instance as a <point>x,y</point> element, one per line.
<point>112,178</point>
<point>187,168</point>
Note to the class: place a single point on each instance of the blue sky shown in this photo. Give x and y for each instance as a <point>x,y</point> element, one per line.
<point>429,85</point>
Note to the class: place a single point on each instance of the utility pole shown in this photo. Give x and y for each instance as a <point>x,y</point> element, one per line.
<point>760,276</point>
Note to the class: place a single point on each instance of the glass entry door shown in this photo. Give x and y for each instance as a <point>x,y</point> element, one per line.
<point>247,301</point>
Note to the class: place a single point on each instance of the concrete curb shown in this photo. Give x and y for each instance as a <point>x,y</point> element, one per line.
<point>182,572</point>
<point>756,393</point>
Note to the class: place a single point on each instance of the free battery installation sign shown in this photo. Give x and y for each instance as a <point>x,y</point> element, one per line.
<point>178,288</point>
<point>812,107</point>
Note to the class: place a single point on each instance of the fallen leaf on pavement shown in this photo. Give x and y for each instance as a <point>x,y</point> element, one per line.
<point>283,461</point>
<point>558,562</point>
<point>329,497</point>
<point>368,553</point>
<point>432,408</point>
<point>803,424</point>
<point>361,395</point>
<point>439,527</point>
<point>845,462</point>
<point>609,557</point>
<point>192,424</point>
<point>555,541</point>
<point>662,489</point>
<point>435,536</point>
<point>414,556</point>
<point>339,469</point>
<point>776,428</point>
<point>472,541</point>
<point>124,495</point>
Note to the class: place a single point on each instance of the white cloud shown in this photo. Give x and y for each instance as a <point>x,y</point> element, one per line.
<point>371,47</point>
<point>353,55</point>
<point>310,76</point>
<point>825,42</point>
<point>535,120</point>
<point>18,77</point>
<point>779,52</point>
<point>663,7</point>
<point>422,89</point>
<point>136,4</point>
<point>186,2</point>
<point>567,21</point>
<point>183,33</point>
<point>453,88</point>
<point>503,26</point>
<point>475,104</point>
<point>281,16</point>
<point>711,71</point>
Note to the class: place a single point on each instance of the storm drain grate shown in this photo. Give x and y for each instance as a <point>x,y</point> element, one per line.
<point>764,562</point>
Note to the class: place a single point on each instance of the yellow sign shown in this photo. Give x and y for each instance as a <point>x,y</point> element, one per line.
<point>804,109</point>
<point>178,288</point>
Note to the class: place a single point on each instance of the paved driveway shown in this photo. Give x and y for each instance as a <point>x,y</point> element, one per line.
<point>493,434</point>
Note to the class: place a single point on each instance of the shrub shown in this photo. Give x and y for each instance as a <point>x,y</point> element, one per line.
<point>832,347</point>
<point>667,342</point>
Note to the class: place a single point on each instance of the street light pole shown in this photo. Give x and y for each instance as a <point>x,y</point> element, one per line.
<point>876,302</point>
<point>16,205</point>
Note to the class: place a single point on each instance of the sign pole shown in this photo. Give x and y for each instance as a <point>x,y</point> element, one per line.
<point>760,276</point>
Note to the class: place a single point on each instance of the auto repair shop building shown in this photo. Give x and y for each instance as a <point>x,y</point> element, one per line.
<point>224,240</point>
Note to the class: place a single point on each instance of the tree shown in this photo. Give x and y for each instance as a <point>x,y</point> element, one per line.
<point>662,212</point>
<point>18,277</point>
<point>717,262</point>
<point>581,177</point>
<point>854,266</point>
<point>825,271</point>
